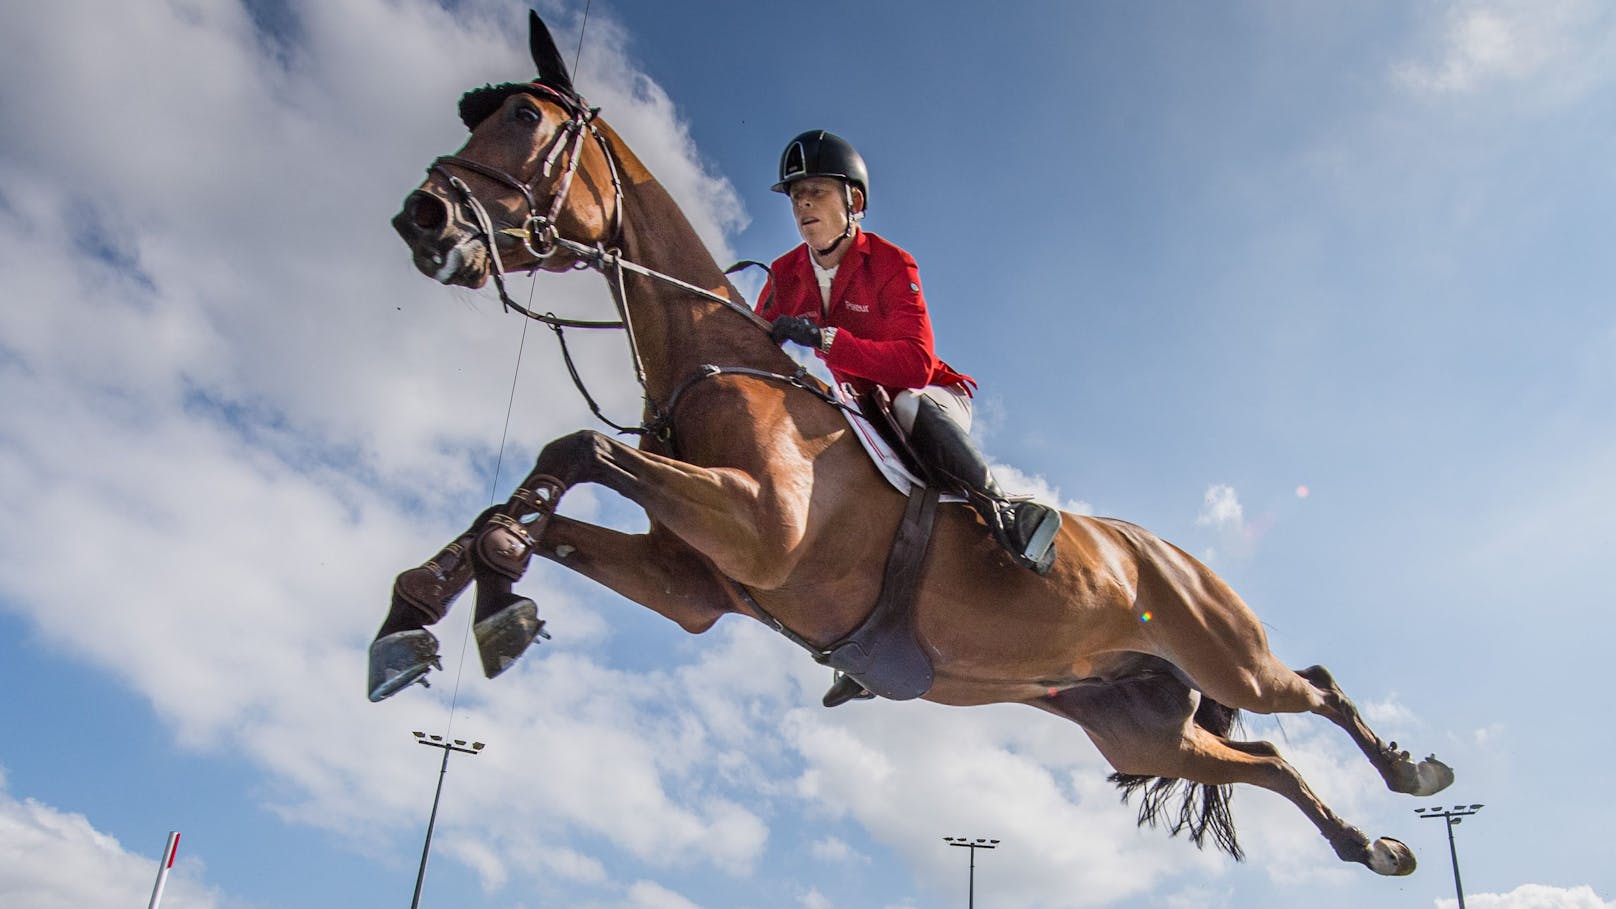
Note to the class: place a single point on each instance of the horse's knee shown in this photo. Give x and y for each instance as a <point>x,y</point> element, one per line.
<point>572,448</point>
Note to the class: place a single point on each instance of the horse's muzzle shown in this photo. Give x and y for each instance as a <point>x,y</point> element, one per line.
<point>440,246</point>
<point>423,213</point>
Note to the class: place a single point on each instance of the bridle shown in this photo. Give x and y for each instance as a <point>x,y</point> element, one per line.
<point>541,237</point>
<point>535,227</point>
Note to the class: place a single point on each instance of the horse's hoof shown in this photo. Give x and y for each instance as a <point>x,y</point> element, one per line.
<point>400,659</point>
<point>1390,857</point>
<point>1434,776</point>
<point>503,636</point>
<point>1428,777</point>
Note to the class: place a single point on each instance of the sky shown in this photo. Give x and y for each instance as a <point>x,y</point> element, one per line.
<point>1319,292</point>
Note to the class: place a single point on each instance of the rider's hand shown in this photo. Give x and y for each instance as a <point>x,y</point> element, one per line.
<point>797,330</point>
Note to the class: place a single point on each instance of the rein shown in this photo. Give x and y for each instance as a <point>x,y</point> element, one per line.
<point>541,237</point>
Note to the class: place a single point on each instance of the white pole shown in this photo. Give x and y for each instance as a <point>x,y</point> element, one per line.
<point>162,869</point>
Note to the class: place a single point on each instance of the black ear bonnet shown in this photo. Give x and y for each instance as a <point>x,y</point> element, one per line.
<point>553,83</point>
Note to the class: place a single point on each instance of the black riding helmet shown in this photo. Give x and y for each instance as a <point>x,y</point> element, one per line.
<point>817,153</point>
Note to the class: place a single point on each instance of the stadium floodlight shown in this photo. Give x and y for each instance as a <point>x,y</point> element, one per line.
<point>436,741</point>
<point>1452,817</point>
<point>965,842</point>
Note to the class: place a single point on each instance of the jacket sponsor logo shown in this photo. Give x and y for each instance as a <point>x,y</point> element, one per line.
<point>856,307</point>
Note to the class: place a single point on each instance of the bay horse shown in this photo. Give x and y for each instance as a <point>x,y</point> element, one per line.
<point>761,502</point>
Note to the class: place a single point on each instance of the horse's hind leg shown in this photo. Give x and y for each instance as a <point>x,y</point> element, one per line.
<point>1144,727</point>
<point>1218,643</point>
<point>1253,679</point>
<point>1428,777</point>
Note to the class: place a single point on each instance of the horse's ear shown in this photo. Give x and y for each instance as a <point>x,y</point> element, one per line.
<point>552,69</point>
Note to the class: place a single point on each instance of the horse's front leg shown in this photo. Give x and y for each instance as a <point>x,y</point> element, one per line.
<point>745,523</point>
<point>717,517</point>
<point>403,651</point>
<point>655,569</point>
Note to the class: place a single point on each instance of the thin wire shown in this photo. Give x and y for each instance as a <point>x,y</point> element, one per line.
<point>493,490</point>
<point>581,29</point>
<point>510,404</point>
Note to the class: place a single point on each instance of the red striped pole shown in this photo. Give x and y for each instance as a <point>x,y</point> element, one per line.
<point>162,869</point>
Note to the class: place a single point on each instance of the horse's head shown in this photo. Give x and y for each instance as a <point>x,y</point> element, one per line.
<point>535,167</point>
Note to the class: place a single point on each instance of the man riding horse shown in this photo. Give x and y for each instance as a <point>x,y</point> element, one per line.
<point>760,501</point>
<point>854,298</point>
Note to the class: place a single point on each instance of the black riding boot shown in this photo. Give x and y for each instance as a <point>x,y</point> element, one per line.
<point>1026,529</point>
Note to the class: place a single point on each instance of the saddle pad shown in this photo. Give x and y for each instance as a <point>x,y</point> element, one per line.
<point>886,460</point>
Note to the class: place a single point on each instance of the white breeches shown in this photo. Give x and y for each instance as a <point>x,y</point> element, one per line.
<point>953,399</point>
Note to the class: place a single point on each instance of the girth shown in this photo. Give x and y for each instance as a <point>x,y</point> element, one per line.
<point>883,654</point>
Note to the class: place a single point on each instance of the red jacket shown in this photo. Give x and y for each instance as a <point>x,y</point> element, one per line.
<point>883,334</point>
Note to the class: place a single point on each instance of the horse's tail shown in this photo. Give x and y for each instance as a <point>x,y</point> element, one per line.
<point>1202,809</point>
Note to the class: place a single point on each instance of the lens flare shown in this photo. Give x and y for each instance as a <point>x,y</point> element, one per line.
<point>1301,492</point>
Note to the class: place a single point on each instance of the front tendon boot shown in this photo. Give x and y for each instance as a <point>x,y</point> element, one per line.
<point>404,651</point>
<point>1026,529</point>
<point>506,623</point>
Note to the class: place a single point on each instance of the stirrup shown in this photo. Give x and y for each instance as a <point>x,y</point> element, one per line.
<point>843,689</point>
<point>1025,528</point>
<point>401,659</point>
<point>1038,553</point>
<point>504,636</point>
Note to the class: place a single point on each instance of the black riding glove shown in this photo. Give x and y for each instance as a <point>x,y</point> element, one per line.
<point>798,330</point>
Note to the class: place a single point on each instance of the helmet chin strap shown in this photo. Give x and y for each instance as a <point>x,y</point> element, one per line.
<point>832,248</point>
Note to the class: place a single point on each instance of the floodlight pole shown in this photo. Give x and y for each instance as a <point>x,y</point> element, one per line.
<point>1451,817</point>
<point>973,845</point>
<point>436,741</point>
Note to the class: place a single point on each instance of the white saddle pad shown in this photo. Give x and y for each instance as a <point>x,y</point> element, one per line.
<point>886,460</point>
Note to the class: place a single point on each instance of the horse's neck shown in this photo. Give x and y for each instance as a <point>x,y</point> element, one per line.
<point>677,331</point>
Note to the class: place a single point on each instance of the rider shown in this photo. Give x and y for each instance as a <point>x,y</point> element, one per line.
<point>855,299</point>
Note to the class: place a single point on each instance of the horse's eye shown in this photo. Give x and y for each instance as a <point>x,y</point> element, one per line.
<point>529,114</point>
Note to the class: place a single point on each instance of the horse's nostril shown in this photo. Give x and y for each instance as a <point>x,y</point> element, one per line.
<point>425,210</point>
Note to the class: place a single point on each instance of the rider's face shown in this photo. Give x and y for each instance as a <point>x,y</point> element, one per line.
<point>819,207</point>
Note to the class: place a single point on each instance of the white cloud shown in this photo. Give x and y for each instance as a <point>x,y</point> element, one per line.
<point>1533,896</point>
<point>53,859</point>
<point>1200,898</point>
<point>649,895</point>
<point>1485,43</point>
<point>1006,772</point>
<point>831,849</point>
<point>238,412</point>
<point>1222,512</point>
<point>1390,712</point>
<point>1221,508</point>
<point>1016,482</point>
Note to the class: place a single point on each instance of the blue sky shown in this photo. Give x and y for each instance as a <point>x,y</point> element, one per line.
<point>1198,256</point>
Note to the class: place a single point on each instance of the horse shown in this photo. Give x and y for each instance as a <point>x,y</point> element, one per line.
<point>762,503</point>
